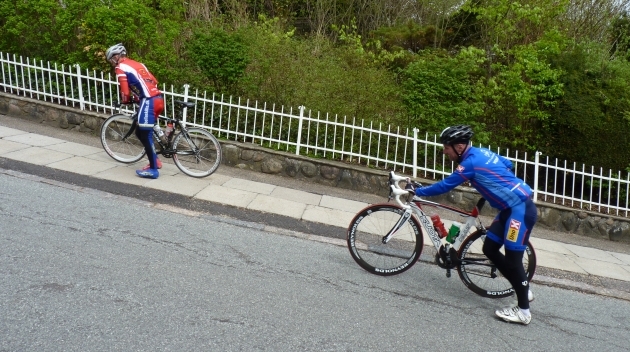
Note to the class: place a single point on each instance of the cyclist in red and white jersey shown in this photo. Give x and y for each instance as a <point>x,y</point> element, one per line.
<point>138,84</point>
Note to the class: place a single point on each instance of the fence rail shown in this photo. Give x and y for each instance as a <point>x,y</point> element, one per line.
<point>304,132</point>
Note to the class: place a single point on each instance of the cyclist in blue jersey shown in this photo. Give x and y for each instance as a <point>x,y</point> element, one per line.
<point>492,176</point>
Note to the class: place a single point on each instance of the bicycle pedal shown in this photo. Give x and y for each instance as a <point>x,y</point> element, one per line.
<point>438,261</point>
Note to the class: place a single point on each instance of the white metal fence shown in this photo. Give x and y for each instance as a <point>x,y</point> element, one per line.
<point>305,132</point>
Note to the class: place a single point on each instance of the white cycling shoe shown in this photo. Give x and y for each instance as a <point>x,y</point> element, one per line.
<point>513,315</point>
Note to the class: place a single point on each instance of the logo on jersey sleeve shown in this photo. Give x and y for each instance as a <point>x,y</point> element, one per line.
<point>460,169</point>
<point>512,233</point>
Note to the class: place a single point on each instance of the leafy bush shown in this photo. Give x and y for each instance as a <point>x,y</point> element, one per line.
<point>590,123</point>
<point>25,28</point>
<point>442,90</point>
<point>222,57</point>
<point>521,94</point>
<point>317,74</point>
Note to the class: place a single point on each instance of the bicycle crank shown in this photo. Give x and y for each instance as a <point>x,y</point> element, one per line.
<point>447,260</point>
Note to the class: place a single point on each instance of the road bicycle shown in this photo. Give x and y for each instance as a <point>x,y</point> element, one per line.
<point>387,239</point>
<point>195,151</point>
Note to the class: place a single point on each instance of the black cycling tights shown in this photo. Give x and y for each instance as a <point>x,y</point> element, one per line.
<point>511,267</point>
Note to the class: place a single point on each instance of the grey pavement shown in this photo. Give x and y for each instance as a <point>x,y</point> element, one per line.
<point>75,152</point>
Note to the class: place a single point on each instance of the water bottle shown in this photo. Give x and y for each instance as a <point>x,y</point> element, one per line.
<point>438,225</point>
<point>453,232</point>
<point>158,131</point>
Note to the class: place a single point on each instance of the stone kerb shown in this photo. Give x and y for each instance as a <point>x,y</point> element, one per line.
<point>332,173</point>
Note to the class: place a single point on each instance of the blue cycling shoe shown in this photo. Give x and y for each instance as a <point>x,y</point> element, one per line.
<point>148,173</point>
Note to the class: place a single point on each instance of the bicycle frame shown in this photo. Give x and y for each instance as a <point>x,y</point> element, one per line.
<point>165,149</point>
<point>414,208</point>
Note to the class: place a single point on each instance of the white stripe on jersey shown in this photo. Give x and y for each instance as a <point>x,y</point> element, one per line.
<point>128,69</point>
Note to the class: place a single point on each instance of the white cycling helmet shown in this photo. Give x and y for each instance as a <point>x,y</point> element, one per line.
<point>115,50</point>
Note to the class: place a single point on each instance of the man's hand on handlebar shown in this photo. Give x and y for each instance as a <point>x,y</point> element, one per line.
<point>412,185</point>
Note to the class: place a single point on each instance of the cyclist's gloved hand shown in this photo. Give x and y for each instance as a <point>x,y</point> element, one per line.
<point>412,193</point>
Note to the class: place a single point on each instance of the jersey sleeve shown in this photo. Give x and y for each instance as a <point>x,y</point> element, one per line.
<point>462,173</point>
<point>505,161</point>
<point>125,92</point>
<point>443,186</point>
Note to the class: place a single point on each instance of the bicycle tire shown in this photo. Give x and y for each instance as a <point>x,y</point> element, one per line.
<point>365,235</point>
<point>119,139</point>
<point>483,278</point>
<point>200,159</point>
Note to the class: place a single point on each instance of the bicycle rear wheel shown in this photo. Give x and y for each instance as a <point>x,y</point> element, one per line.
<point>365,240</point>
<point>481,276</point>
<point>119,139</point>
<point>197,152</point>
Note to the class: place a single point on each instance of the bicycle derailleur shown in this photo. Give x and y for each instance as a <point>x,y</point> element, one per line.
<point>446,259</point>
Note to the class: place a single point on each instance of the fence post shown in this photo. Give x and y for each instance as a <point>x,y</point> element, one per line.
<point>415,152</point>
<point>81,102</point>
<point>299,136</point>
<point>536,163</point>
<point>186,86</point>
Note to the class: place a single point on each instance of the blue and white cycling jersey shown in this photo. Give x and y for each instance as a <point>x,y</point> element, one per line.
<point>488,173</point>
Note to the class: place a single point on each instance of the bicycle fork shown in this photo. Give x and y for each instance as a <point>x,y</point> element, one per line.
<point>403,218</point>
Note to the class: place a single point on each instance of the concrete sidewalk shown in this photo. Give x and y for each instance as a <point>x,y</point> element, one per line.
<point>226,188</point>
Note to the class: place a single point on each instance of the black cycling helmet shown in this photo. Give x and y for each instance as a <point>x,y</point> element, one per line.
<point>456,134</point>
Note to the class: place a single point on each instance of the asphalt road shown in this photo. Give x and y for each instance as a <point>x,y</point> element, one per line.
<point>87,270</point>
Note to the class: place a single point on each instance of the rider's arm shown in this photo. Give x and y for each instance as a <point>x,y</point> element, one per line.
<point>506,162</point>
<point>125,92</point>
<point>463,172</point>
<point>447,184</point>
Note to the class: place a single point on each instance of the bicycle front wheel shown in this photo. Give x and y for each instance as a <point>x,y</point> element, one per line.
<point>480,275</point>
<point>365,240</point>
<point>197,152</point>
<point>119,139</point>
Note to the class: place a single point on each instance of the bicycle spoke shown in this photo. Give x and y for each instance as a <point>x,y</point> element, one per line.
<point>198,153</point>
<point>480,275</point>
<point>119,141</point>
<point>365,240</point>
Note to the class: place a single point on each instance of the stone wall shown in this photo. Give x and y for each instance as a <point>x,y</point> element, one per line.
<point>332,173</point>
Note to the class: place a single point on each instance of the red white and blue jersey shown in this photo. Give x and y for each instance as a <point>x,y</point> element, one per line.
<point>135,78</point>
<point>488,173</point>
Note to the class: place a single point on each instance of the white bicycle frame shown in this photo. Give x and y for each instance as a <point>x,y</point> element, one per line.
<point>413,208</point>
